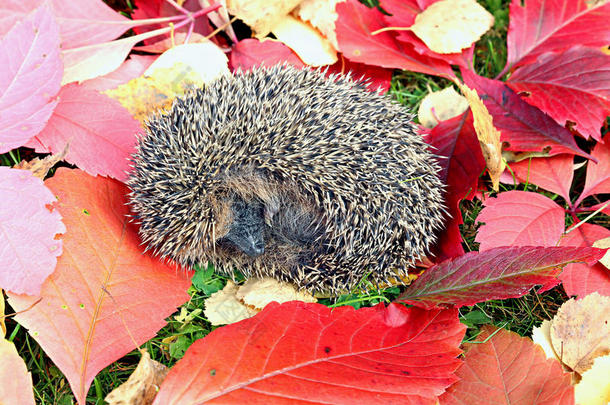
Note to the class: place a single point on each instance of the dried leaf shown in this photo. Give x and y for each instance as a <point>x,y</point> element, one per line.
<point>2,316</point>
<point>40,167</point>
<point>581,331</point>
<point>448,26</point>
<point>322,15</point>
<point>258,293</point>
<point>305,41</point>
<point>542,337</point>
<point>488,135</point>
<point>604,244</point>
<point>440,106</point>
<point>261,15</point>
<point>594,387</point>
<point>224,308</point>
<point>142,385</point>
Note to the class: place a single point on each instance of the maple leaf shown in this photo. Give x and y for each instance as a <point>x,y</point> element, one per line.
<point>302,353</point>
<point>505,368</point>
<point>15,380</point>
<point>93,305</point>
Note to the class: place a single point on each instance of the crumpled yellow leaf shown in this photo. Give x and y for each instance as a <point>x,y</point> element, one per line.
<point>261,15</point>
<point>142,385</point>
<point>542,337</point>
<point>321,15</point>
<point>581,331</point>
<point>488,135</point>
<point>604,244</point>
<point>176,71</point>
<point>440,106</point>
<point>40,167</point>
<point>448,26</point>
<point>594,387</point>
<point>305,41</point>
<point>234,303</point>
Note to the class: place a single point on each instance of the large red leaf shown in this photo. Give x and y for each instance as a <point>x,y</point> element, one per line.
<point>553,173</point>
<point>523,126</point>
<point>582,279</point>
<point>28,248</point>
<point>462,162</point>
<point>106,296</point>
<point>354,26</point>
<point>100,131</point>
<point>15,381</point>
<point>508,369</point>
<point>549,25</point>
<point>500,273</point>
<point>570,86</point>
<point>251,52</point>
<point>520,218</point>
<point>30,76</point>
<point>598,174</point>
<point>299,353</point>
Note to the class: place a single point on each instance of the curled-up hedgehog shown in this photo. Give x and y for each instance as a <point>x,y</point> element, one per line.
<point>287,173</point>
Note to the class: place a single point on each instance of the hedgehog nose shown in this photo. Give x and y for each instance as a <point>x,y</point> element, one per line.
<point>257,248</point>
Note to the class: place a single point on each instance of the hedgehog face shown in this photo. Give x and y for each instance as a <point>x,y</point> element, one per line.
<point>246,229</point>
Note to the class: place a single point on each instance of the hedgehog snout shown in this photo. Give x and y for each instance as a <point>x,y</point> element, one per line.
<point>247,229</point>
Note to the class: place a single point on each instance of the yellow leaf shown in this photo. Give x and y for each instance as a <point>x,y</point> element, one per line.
<point>489,136</point>
<point>305,41</point>
<point>2,324</point>
<point>604,244</point>
<point>261,15</point>
<point>224,308</point>
<point>594,387</point>
<point>448,26</point>
<point>321,15</point>
<point>258,293</point>
<point>440,106</point>
<point>542,337</point>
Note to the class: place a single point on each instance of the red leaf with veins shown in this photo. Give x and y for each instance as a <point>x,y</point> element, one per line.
<point>520,218</point>
<point>570,86</point>
<point>354,26</point>
<point>106,296</point>
<point>551,25</point>
<point>251,52</point>
<point>499,273</point>
<point>299,353</point>
<point>508,369</point>
<point>30,78</point>
<point>581,279</point>
<point>523,126</point>
<point>598,174</point>
<point>553,173</point>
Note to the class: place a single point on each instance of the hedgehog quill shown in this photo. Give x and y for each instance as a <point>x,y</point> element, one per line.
<point>291,174</point>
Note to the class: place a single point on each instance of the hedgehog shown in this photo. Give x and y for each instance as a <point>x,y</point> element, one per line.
<point>305,177</point>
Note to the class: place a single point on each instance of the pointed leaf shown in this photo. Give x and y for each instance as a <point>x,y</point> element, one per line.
<point>540,26</point>
<point>520,218</point>
<point>30,79</point>
<point>500,273</point>
<point>598,174</point>
<point>569,86</point>
<point>28,248</point>
<point>106,296</point>
<point>100,131</point>
<point>553,173</point>
<point>15,380</point>
<point>508,369</point>
<point>298,353</point>
<point>523,126</point>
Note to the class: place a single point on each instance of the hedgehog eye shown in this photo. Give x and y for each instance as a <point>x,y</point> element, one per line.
<point>246,230</point>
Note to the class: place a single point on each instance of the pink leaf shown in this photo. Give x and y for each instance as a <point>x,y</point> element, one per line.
<point>28,248</point>
<point>598,174</point>
<point>569,86</point>
<point>15,380</point>
<point>520,218</point>
<point>523,126</point>
<point>550,25</point>
<point>553,173</point>
<point>133,67</point>
<point>106,296</point>
<point>101,133</point>
<point>30,76</point>
<point>582,279</point>
<point>251,52</point>
<point>500,273</point>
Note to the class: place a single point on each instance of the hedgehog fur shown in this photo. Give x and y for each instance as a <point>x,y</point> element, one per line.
<point>287,173</point>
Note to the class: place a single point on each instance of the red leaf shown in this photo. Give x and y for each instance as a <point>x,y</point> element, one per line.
<point>298,353</point>
<point>462,162</point>
<point>28,248</point>
<point>133,67</point>
<point>250,52</point>
<point>354,26</point>
<point>581,279</point>
<point>523,126</point>
<point>94,304</point>
<point>552,173</point>
<point>101,133</point>
<point>377,77</point>
<point>550,25</point>
<point>29,78</point>
<point>598,174</point>
<point>15,381</point>
<point>508,369</point>
<point>500,273</point>
<point>569,86</point>
<point>520,218</point>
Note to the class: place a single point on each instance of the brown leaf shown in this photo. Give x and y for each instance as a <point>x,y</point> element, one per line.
<point>40,167</point>
<point>581,331</point>
<point>488,135</point>
<point>142,385</point>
